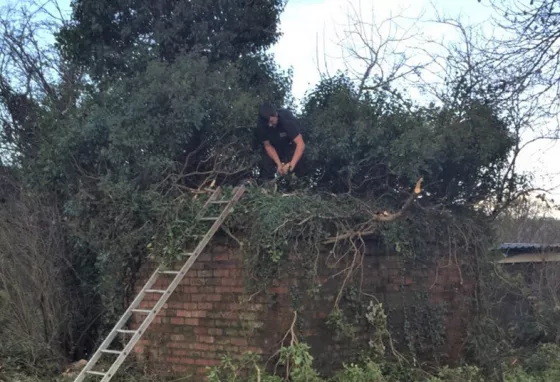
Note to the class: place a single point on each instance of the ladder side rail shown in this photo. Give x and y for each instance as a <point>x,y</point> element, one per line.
<point>113,333</point>
<point>217,192</point>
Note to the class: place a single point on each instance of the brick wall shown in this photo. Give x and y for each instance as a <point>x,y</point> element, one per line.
<point>211,315</point>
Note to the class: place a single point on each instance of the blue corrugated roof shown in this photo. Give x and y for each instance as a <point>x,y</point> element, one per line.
<point>529,247</point>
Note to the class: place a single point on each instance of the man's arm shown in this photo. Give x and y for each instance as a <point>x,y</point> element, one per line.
<point>271,152</point>
<point>294,132</point>
<point>300,147</point>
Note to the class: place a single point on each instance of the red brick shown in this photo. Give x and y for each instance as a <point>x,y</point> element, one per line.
<point>177,345</point>
<point>205,305</point>
<point>230,289</point>
<point>207,362</point>
<point>175,305</point>
<point>177,320</point>
<point>280,290</point>
<point>215,331</point>
<point>198,314</point>
<point>191,321</point>
<point>232,332</point>
<point>189,289</point>
<point>201,346</point>
<point>179,368</point>
<point>222,257</point>
<point>190,306</point>
<point>239,273</point>
<point>222,273</point>
<point>231,307</point>
<point>231,282</point>
<point>187,361</point>
<point>145,305</point>
<point>223,315</point>
<point>239,341</point>
<point>184,313</point>
<point>201,330</point>
<point>206,339</point>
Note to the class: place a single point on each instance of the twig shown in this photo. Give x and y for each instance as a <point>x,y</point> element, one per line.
<point>228,232</point>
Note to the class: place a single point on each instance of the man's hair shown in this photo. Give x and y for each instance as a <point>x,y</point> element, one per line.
<point>266,111</point>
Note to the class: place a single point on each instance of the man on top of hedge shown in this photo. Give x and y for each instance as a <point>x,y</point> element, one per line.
<point>280,133</point>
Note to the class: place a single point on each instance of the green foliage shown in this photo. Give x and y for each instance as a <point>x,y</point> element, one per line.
<point>271,224</point>
<point>541,367</point>
<point>338,323</point>
<point>424,325</point>
<point>298,363</point>
<point>114,37</point>
<point>383,141</point>
<point>377,319</point>
<point>121,162</point>
<point>518,314</point>
<point>371,372</point>
<point>245,368</point>
<point>460,374</point>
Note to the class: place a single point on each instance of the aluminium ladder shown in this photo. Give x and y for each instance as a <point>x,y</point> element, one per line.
<point>150,314</point>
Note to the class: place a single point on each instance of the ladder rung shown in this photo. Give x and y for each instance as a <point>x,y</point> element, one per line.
<point>108,351</point>
<point>170,272</point>
<point>220,201</point>
<point>125,331</point>
<point>141,311</point>
<point>155,291</point>
<point>208,219</point>
<point>96,373</point>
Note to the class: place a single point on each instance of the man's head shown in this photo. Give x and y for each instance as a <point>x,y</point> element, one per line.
<point>268,113</point>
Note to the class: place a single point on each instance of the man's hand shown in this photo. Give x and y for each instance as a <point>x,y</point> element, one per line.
<point>284,168</point>
<point>287,168</point>
<point>281,168</point>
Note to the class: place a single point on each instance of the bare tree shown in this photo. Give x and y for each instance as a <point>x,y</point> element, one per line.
<point>31,70</point>
<point>36,309</point>
<point>526,51</point>
<point>474,65</point>
<point>379,53</point>
<point>529,220</point>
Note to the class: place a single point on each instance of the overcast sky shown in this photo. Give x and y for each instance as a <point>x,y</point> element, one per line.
<point>314,29</point>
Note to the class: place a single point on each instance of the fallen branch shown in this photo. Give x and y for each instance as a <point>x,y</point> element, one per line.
<point>380,218</point>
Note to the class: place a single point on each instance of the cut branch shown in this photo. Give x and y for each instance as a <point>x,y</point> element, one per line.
<point>379,217</point>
